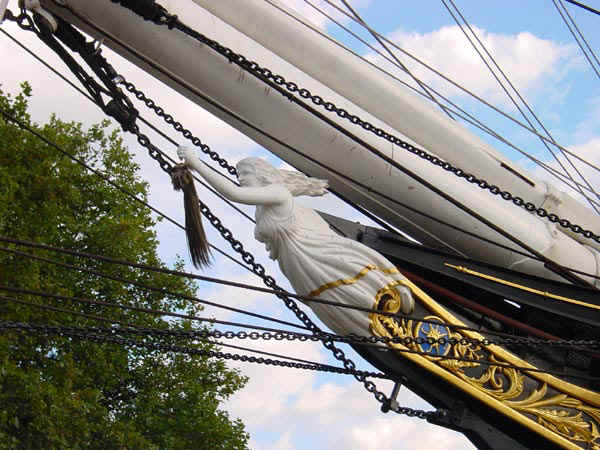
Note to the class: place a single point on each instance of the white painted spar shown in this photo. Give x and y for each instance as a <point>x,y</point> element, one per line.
<point>284,32</point>
<point>278,124</point>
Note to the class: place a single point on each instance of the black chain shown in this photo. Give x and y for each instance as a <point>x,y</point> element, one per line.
<point>270,282</point>
<point>126,116</point>
<point>103,335</point>
<point>168,118</point>
<point>99,335</point>
<point>290,89</point>
<point>121,109</point>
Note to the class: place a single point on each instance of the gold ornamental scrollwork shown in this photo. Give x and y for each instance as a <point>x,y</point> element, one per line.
<point>565,419</point>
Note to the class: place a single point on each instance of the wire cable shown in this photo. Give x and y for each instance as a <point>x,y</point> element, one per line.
<point>127,324</point>
<point>145,121</point>
<point>423,86</point>
<point>24,126</point>
<point>328,168</point>
<point>192,276</point>
<point>403,67</point>
<point>110,335</point>
<point>555,267</point>
<point>149,287</point>
<point>255,128</point>
<point>581,5</point>
<point>93,333</point>
<point>590,49</point>
<point>458,86</point>
<point>455,110</point>
<point>581,47</point>
<point>520,97</point>
<point>312,160</point>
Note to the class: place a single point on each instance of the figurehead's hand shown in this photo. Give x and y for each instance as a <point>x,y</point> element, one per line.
<point>186,154</point>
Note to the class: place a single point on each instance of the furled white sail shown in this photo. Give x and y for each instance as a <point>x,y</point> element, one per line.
<point>282,31</point>
<point>286,129</point>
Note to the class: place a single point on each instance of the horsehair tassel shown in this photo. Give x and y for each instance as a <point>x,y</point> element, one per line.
<point>197,243</point>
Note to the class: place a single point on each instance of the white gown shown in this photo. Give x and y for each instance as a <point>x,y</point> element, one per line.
<point>320,263</point>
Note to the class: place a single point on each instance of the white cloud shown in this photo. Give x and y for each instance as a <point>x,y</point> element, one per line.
<point>335,411</point>
<point>525,58</point>
<point>296,406</point>
<point>587,130</point>
<point>246,299</point>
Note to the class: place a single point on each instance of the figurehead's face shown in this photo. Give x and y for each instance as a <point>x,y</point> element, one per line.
<point>247,176</point>
<point>256,172</point>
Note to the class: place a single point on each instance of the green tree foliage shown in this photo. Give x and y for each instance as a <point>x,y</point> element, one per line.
<point>60,393</point>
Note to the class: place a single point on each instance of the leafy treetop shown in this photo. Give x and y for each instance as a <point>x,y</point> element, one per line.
<point>62,393</point>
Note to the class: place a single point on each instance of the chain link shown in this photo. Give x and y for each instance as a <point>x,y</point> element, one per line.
<point>99,335</point>
<point>289,88</point>
<point>168,118</point>
<point>123,111</point>
<point>103,335</point>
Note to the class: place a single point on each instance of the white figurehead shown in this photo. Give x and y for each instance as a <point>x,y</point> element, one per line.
<point>316,261</point>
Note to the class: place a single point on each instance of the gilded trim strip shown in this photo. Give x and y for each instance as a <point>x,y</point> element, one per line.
<point>348,281</point>
<point>523,288</point>
<point>432,367</point>
<point>501,401</point>
<point>561,385</point>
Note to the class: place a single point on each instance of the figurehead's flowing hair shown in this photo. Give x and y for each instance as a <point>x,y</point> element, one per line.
<point>197,243</point>
<point>296,182</point>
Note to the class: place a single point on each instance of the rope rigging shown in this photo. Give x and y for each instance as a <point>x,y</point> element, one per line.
<point>581,5</point>
<point>328,168</point>
<point>458,86</point>
<point>426,90</point>
<point>111,335</point>
<point>198,335</point>
<point>520,97</point>
<point>528,342</point>
<point>24,126</point>
<point>172,272</point>
<point>120,108</point>
<point>505,338</point>
<point>325,167</point>
<point>577,36</point>
<point>456,110</point>
<point>151,288</point>
<point>288,89</point>
<point>281,335</point>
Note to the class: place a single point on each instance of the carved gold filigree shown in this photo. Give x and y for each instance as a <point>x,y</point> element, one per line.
<point>560,414</point>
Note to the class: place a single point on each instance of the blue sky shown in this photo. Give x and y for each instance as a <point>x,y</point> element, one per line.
<point>287,409</point>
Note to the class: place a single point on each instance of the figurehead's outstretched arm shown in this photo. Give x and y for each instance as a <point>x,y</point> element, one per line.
<point>273,194</point>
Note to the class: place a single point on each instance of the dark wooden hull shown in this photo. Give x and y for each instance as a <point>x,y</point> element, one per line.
<point>495,408</point>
